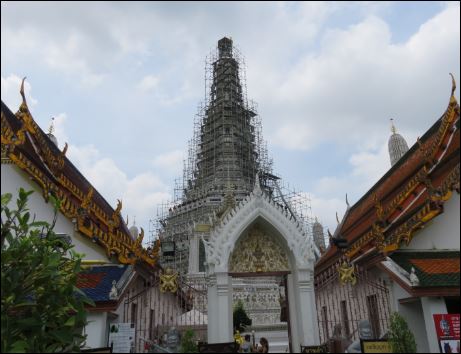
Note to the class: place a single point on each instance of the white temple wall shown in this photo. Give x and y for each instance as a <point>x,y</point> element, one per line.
<point>96,330</point>
<point>431,306</point>
<point>413,314</point>
<point>442,232</point>
<point>13,178</point>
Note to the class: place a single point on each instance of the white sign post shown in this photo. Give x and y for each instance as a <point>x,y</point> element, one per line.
<point>121,337</point>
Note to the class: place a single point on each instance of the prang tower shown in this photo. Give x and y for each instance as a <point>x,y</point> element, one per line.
<point>225,154</point>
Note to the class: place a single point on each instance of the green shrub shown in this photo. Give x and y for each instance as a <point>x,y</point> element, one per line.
<point>40,309</point>
<point>240,317</point>
<point>400,336</point>
<point>188,342</point>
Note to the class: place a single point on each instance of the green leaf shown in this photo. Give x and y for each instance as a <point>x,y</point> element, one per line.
<point>70,322</point>
<point>39,224</point>
<point>63,335</point>
<point>25,218</point>
<point>19,347</point>
<point>6,198</point>
<point>39,276</point>
<point>29,322</point>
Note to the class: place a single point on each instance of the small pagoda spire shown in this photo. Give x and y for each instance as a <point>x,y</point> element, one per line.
<point>51,128</point>
<point>397,145</point>
<point>50,133</point>
<point>134,231</point>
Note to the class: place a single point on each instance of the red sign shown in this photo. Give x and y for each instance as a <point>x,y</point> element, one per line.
<point>447,326</point>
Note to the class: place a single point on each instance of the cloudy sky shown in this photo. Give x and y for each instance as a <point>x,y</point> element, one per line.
<point>123,81</point>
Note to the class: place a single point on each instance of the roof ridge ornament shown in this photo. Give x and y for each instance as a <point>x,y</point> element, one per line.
<point>453,84</point>
<point>64,150</point>
<point>257,186</point>
<point>414,280</point>
<point>113,294</point>
<point>453,101</point>
<point>23,107</point>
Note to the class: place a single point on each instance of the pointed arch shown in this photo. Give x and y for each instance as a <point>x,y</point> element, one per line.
<point>259,205</point>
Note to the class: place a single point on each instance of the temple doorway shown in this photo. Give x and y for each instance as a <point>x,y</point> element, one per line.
<point>264,297</point>
<point>259,240</point>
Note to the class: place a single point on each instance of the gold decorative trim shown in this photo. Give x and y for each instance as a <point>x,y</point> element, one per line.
<point>74,202</point>
<point>115,243</point>
<point>169,281</point>
<point>347,274</point>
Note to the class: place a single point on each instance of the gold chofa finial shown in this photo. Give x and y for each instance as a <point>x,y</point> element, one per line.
<point>393,130</point>
<point>21,91</point>
<point>453,84</point>
<point>23,107</point>
<point>51,128</point>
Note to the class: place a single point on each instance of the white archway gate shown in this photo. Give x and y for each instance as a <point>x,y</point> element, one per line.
<point>260,209</point>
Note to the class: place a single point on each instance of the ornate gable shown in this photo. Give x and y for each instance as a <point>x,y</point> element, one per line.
<point>226,232</point>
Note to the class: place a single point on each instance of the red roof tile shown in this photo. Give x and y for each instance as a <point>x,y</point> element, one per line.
<point>89,281</point>
<point>437,266</point>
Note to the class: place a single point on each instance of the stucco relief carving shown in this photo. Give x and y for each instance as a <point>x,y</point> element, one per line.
<point>258,252</point>
<point>226,232</point>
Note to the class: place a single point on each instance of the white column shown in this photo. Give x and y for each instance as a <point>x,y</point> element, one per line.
<point>213,318</point>
<point>293,306</point>
<point>307,308</point>
<point>431,306</point>
<point>193,254</point>
<point>220,309</point>
<point>224,307</point>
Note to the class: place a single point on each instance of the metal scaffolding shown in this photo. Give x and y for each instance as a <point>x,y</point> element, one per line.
<point>225,153</point>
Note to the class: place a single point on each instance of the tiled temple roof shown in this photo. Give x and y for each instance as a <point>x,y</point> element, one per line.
<point>25,144</point>
<point>96,282</point>
<point>433,268</point>
<point>410,194</point>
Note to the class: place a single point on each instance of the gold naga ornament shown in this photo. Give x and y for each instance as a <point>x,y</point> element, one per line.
<point>169,281</point>
<point>347,274</point>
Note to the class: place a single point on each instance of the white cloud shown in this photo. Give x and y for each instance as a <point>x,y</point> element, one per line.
<point>139,194</point>
<point>347,90</point>
<point>366,168</point>
<point>148,83</point>
<point>325,210</point>
<point>171,161</point>
<point>11,86</point>
<point>315,81</point>
<point>369,166</point>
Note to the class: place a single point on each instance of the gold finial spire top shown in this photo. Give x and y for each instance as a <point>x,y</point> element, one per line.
<point>393,129</point>
<point>51,128</point>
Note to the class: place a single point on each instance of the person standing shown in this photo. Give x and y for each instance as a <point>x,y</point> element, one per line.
<point>246,346</point>
<point>263,346</point>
